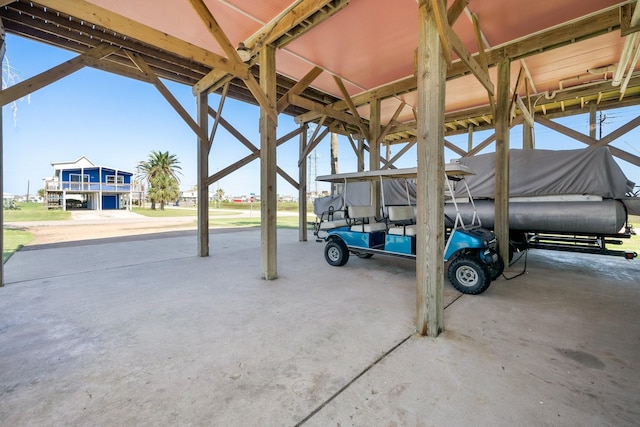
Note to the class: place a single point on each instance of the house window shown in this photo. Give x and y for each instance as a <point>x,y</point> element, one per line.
<point>75,177</point>
<point>115,179</point>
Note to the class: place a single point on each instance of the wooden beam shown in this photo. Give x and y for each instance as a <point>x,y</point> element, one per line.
<point>210,79</point>
<point>526,115</point>
<point>352,107</point>
<point>618,132</point>
<point>320,110</point>
<point>142,65</point>
<point>233,167</point>
<point>102,17</point>
<point>399,154</point>
<point>431,72</point>
<point>470,61</point>
<point>455,148</point>
<point>438,10</point>
<point>455,10</point>
<point>287,178</point>
<point>389,125</point>
<point>233,131</point>
<point>216,31</point>
<point>283,24</point>
<point>216,122</point>
<point>25,87</point>
<point>624,155</point>
<point>298,88</point>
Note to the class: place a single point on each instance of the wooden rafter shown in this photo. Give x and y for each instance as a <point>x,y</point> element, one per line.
<point>298,88</point>
<point>455,10</point>
<point>216,31</point>
<point>387,128</point>
<point>296,20</point>
<point>484,144</point>
<point>470,61</point>
<point>288,25</point>
<point>482,57</point>
<point>322,110</point>
<point>352,107</point>
<point>459,151</point>
<point>89,12</point>
<point>407,147</point>
<point>442,23</point>
<point>627,127</point>
<point>223,97</point>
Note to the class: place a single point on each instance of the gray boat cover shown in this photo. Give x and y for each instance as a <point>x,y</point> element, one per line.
<point>589,171</point>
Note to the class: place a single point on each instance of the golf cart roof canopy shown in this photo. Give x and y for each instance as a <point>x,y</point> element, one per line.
<point>453,169</point>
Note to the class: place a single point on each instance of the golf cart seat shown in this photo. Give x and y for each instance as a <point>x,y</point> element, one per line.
<point>401,218</point>
<point>332,219</point>
<point>363,219</point>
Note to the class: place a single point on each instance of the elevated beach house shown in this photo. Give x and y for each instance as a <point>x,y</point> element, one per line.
<point>84,185</point>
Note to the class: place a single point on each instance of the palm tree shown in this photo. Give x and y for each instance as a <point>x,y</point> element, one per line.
<point>163,188</point>
<point>160,164</point>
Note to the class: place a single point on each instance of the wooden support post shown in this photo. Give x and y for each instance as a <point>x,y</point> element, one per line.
<point>593,109</point>
<point>469,138</point>
<point>2,184</point>
<point>431,74</point>
<point>501,226</point>
<point>527,136</point>
<point>302,188</point>
<point>203,175</point>
<point>374,148</point>
<point>268,166</point>
<point>360,154</point>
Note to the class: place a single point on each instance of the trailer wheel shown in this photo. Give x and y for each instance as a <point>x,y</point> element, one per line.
<point>363,255</point>
<point>469,275</point>
<point>336,253</point>
<point>496,269</point>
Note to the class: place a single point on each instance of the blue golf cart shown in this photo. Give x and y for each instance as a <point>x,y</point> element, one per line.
<point>350,224</point>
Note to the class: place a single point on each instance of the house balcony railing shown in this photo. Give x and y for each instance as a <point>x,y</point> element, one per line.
<point>92,187</point>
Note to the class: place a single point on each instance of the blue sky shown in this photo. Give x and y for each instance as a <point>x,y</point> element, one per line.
<point>117,122</point>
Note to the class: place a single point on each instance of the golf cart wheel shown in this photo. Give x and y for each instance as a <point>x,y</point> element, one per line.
<point>469,275</point>
<point>496,269</point>
<point>336,253</point>
<point>363,255</point>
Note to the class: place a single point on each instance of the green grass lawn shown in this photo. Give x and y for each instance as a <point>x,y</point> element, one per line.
<point>34,212</point>
<point>13,241</point>
<point>632,244</point>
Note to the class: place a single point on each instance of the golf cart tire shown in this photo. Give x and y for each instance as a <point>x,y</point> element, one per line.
<point>336,253</point>
<point>496,269</point>
<point>469,275</point>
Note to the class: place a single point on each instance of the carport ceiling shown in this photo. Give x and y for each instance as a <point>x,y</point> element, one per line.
<point>566,51</point>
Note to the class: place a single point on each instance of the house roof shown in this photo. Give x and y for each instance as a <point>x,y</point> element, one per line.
<point>81,162</point>
<point>566,52</point>
<point>84,162</point>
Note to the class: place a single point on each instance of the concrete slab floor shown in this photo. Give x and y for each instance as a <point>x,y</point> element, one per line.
<point>143,332</point>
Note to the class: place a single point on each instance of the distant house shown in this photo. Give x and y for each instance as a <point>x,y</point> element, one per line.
<point>84,185</point>
<point>190,197</point>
